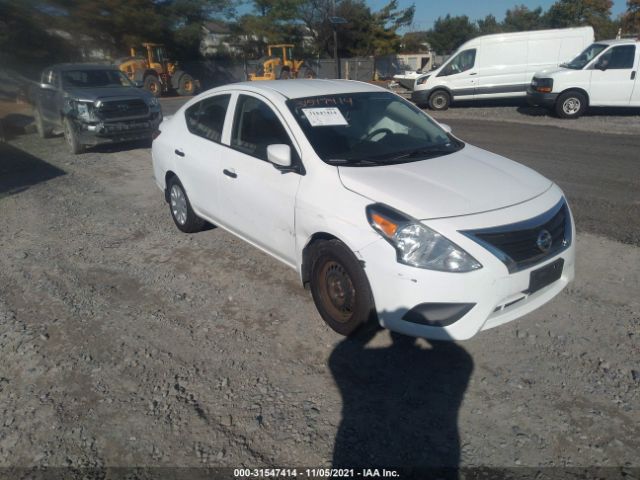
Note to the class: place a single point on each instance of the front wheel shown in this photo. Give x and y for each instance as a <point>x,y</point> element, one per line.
<point>439,100</point>
<point>340,287</point>
<point>571,105</point>
<point>71,136</point>
<point>152,84</point>
<point>186,85</point>
<point>183,215</point>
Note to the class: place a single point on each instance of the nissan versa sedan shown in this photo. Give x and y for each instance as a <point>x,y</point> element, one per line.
<point>381,210</point>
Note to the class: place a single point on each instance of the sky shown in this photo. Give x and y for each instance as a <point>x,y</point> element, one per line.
<point>428,10</point>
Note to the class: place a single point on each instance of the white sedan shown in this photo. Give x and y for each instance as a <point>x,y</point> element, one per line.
<point>381,210</point>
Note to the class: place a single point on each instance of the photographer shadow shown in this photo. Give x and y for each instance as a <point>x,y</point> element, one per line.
<point>400,403</point>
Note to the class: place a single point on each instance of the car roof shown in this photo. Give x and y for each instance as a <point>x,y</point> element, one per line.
<point>307,87</point>
<point>83,66</point>
<point>618,41</point>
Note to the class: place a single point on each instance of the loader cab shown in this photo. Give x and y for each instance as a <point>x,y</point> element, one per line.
<point>283,52</point>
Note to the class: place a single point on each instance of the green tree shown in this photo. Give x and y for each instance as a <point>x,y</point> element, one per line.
<point>488,25</point>
<point>520,18</point>
<point>415,42</point>
<point>573,13</point>
<point>449,33</point>
<point>631,18</point>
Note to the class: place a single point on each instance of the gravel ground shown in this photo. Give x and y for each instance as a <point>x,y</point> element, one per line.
<point>127,343</point>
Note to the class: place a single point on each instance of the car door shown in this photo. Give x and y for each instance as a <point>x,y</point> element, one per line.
<point>198,151</point>
<point>635,95</point>
<point>257,200</point>
<point>459,74</point>
<point>613,77</point>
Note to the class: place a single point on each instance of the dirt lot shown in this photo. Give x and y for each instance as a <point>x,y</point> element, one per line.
<point>127,343</point>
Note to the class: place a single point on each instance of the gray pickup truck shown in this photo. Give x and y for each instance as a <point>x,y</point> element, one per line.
<point>93,104</point>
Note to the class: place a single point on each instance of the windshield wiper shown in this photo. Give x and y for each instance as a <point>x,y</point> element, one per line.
<point>424,152</point>
<point>351,162</point>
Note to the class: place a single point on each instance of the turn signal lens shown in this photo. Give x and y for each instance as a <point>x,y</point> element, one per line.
<point>384,224</point>
<point>544,89</point>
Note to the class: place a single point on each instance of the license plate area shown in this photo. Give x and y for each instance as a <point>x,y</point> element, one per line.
<point>545,276</point>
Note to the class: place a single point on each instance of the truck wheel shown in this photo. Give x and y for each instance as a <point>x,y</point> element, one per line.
<point>439,100</point>
<point>186,85</point>
<point>71,136</point>
<point>309,73</point>
<point>285,75</point>
<point>340,287</point>
<point>44,131</point>
<point>183,215</point>
<point>571,105</point>
<point>152,84</point>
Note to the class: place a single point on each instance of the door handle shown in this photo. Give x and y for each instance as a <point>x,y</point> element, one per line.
<point>180,153</point>
<point>230,173</point>
<point>633,75</point>
<point>473,73</point>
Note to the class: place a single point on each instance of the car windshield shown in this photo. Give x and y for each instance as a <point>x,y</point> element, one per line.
<point>591,52</point>
<point>95,78</point>
<point>372,128</point>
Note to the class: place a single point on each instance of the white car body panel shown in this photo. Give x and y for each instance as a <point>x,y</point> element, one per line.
<point>280,213</point>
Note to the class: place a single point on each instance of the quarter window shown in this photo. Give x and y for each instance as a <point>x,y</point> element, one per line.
<point>618,58</point>
<point>460,63</point>
<point>206,118</point>
<point>255,127</point>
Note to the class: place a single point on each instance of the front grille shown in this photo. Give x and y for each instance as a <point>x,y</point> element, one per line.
<point>523,244</point>
<point>123,109</point>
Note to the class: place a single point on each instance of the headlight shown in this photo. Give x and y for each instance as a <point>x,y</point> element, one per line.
<point>422,80</point>
<point>84,110</point>
<point>416,244</point>
<point>542,85</point>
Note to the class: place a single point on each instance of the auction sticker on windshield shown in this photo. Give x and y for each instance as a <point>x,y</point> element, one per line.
<point>324,117</point>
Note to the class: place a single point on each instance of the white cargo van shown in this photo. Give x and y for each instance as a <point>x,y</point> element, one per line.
<point>605,74</point>
<point>499,65</point>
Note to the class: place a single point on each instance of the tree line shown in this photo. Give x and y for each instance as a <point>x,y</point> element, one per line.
<point>30,30</point>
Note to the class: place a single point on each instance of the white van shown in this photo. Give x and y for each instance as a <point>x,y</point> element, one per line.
<point>499,65</point>
<point>605,74</point>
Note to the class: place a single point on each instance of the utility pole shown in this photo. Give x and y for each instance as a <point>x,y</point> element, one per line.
<point>335,21</point>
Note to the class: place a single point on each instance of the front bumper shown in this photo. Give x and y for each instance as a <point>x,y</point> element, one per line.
<point>538,99</point>
<point>100,132</point>
<point>465,302</point>
<point>420,97</point>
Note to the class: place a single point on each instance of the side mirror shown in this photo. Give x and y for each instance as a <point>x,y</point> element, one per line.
<point>601,66</point>
<point>279,155</point>
<point>445,127</point>
<point>47,86</point>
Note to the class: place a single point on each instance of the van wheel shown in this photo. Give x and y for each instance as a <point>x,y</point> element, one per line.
<point>571,105</point>
<point>439,100</point>
<point>183,215</point>
<point>340,287</point>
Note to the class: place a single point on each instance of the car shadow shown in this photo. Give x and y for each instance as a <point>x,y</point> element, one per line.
<point>19,170</point>
<point>591,112</point>
<point>400,404</point>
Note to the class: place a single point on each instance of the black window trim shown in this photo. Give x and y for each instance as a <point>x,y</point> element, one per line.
<point>217,94</point>
<point>475,49</point>
<point>297,163</point>
<point>594,61</point>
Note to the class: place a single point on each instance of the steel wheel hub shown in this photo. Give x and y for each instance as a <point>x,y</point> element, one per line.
<point>178,205</point>
<point>571,106</point>
<point>337,290</point>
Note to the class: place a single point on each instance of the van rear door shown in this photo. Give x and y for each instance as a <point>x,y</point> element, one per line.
<point>612,77</point>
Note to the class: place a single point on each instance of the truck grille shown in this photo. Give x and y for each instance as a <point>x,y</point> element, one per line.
<point>123,109</point>
<point>523,244</point>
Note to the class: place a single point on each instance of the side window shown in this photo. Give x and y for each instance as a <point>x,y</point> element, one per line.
<point>255,127</point>
<point>462,62</point>
<point>618,58</point>
<point>206,118</point>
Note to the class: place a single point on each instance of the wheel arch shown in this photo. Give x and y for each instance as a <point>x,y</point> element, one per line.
<point>578,90</point>
<point>320,236</point>
<point>441,88</point>
<point>167,178</point>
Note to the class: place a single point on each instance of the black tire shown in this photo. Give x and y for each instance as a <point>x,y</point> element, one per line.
<point>153,85</point>
<point>44,131</point>
<point>309,73</point>
<point>439,100</point>
<point>285,74</point>
<point>571,105</point>
<point>71,136</point>
<point>186,85</point>
<point>186,221</point>
<point>340,287</point>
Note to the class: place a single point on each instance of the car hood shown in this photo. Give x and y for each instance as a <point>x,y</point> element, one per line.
<point>93,94</point>
<point>462,183</point>
<point>556,72</point>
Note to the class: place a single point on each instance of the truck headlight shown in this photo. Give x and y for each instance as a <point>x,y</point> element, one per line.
<point>542,85</point>
<point>416,244</point>
<point>422,80</point>
<point>84,110</point>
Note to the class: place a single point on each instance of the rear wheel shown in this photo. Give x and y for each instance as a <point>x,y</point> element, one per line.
<point>439,100</point>
<point>186,85</point>
<point>285,75</point>
<point>571,105</point>
<point>340,287</point>
<point>183,215</point>
<point>152,84</point>
<point>309,73</point>
<point>71,136</point>
<point>44,131</point>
